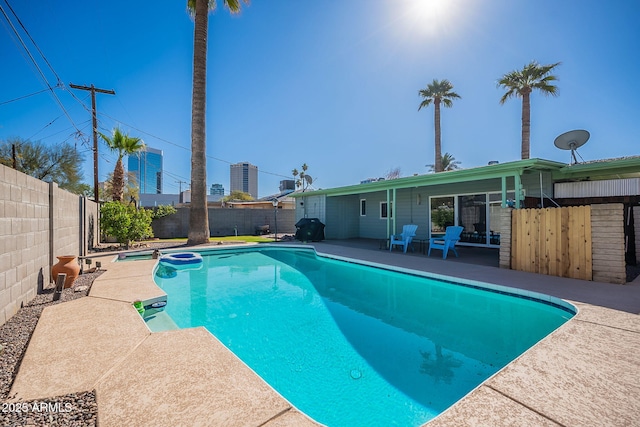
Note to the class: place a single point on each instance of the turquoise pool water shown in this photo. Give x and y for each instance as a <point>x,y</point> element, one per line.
<point>354,345</point>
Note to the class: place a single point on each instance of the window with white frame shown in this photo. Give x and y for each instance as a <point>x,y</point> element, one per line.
<point>385,211</point>
<point>363,207</point>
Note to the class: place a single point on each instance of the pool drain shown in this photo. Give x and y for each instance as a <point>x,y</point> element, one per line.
<point>356,374</point>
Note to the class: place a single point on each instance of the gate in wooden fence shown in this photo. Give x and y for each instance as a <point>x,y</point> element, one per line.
<point>553,241</point>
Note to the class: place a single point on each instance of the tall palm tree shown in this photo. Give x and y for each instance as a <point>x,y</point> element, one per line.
<point>520,83</point>
<point>438,92</point>
<point>123,144</point>
<point>448,162</point>
<point>199,215</point>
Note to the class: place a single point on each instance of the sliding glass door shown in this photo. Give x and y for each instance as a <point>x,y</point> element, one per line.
<point>472,215</point>
<point>478,214</point>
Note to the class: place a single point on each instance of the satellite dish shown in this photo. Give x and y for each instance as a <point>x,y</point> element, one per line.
<point>571,141</point>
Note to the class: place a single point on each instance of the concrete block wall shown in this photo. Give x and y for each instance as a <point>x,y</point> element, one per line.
<point>607,240</point>
<point>505,238</point>
<point>24,239</point>
<point>38,221</point>
<point>65,222</point>
<point>222,222</point>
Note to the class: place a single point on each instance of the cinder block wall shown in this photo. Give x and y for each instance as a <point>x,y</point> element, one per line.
<point>607,236</point>
<point>38,221</point>
<point>65,223</point>
<point>222,222</point>
<point>505,238</point>
<point>24,239</point>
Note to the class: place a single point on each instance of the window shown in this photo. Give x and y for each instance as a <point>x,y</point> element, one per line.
<point>363,207</point>
<point>384,211</point>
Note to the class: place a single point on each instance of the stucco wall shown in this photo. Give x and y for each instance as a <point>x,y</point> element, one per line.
<point>38,221</point>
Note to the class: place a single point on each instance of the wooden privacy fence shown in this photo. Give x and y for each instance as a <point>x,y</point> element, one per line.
<point>553,241</point>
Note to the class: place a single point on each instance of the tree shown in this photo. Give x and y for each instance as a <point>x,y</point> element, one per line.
<point>394,173</point>
<point>237,196</point>
<point>520,83</point>
<point>448,163</point>
<point>122,144</point>
<point>60,163</point>
<point>437,92</point>
<point>199,215</point>
<point>130,189</point>
<point>304,180</point>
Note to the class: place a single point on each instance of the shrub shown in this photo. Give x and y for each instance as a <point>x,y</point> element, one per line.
<point>125,222</point>
<point>163,210</point>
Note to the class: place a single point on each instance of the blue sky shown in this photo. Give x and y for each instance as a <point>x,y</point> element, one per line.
<point>333,83</point>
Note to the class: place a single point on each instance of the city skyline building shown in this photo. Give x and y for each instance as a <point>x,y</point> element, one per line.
<point>146,166</point>
<point>244,177</point>
<point>216,190</point>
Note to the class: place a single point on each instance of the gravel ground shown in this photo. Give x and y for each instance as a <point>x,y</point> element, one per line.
<point>76,409</point>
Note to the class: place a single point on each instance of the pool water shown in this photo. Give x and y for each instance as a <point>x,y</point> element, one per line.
<point>350,344</point>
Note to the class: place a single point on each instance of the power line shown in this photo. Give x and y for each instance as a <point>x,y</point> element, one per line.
<point>23,97</point>
<point>35,63</point>
<point>189,149</point>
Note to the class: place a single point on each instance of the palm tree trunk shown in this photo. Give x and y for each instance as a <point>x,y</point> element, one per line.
<point>117,189</point>
<point>526,125</point>
<point>438,160</point>
<point>199,216</point>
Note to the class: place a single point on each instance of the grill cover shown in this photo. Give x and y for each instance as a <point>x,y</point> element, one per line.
<point>309,229</point>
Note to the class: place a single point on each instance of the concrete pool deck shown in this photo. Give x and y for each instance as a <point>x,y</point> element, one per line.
<point>585,373</point>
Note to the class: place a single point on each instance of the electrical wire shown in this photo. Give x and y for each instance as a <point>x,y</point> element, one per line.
<point>188,149</point>
<point>25,96</point>
<point>35,63</point>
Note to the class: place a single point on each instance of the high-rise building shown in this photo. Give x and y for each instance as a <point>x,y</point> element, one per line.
<point>147,168</point>
<point>216,190</point>
<point>244,177</point>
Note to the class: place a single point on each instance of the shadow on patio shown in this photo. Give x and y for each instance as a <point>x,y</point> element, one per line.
<point>468,255</point>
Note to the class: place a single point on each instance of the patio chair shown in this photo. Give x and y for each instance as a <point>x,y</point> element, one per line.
<point>403,239</point>
<point>446,242</point>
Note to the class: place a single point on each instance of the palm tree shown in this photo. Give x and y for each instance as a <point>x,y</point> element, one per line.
<point>305,179</point>
<point>448,162</point>
<point>123,144</point>
<point>199,215</point>
<point>438,92</point>
<point>520,83</point>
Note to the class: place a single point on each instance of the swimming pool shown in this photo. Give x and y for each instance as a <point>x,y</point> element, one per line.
<point>350,344</point>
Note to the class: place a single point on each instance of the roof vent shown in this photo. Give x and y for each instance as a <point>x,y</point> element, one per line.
<point>493,162</point>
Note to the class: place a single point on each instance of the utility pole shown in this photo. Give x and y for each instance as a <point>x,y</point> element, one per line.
<point>180,194</point>
<point>93,91</point>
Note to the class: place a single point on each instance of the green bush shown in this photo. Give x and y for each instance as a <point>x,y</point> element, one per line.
<point>163,210</point>
<point>125,222</point>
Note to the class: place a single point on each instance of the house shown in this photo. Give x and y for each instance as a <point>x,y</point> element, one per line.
<point>472,198</point>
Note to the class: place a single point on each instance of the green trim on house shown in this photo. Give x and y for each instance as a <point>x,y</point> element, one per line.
<point>450,177</point>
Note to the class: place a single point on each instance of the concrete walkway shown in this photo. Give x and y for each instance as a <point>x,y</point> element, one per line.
<point>585,373</point>
<point>175,378</point>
